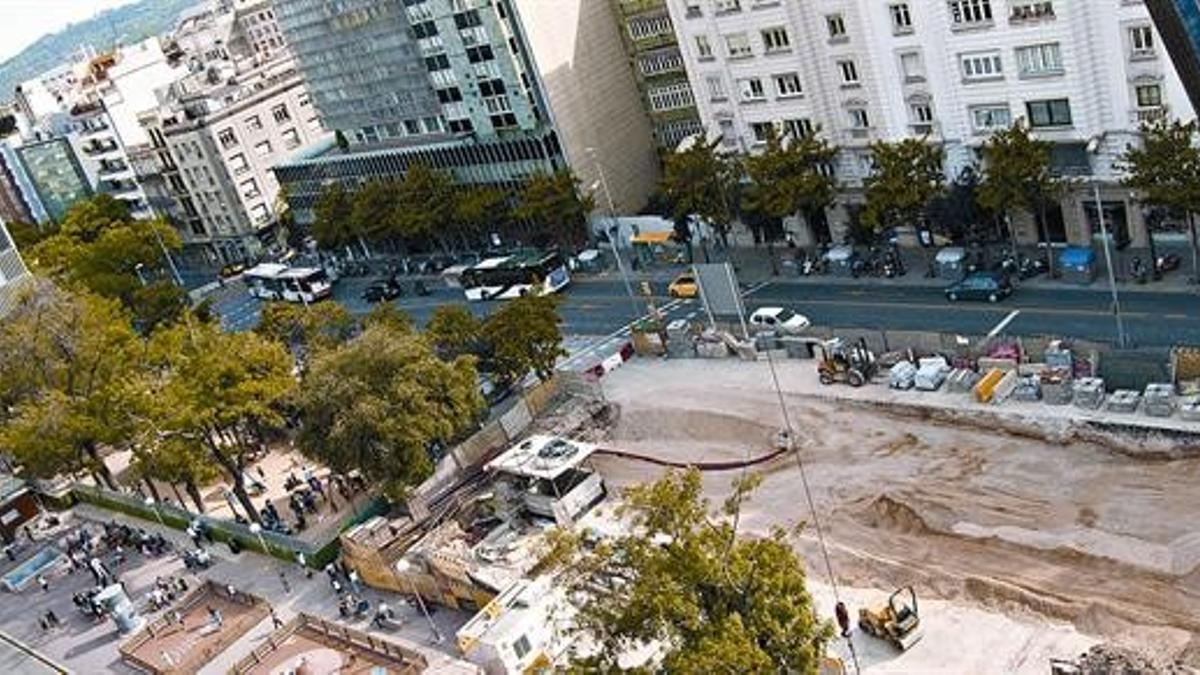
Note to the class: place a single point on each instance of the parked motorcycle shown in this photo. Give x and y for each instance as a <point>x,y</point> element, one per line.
<point>1167,262</point>
<point>1138,271</point>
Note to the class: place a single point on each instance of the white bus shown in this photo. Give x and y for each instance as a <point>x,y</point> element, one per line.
<point>512,276</point>
<point>272,281</point>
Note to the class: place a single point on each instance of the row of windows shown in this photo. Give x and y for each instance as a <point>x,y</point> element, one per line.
<point>280,113</point>
<point>671,97</point>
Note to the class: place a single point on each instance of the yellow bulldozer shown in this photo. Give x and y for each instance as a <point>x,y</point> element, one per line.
<point>898,621</point>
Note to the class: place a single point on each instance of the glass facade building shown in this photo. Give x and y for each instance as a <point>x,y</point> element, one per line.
<point>12,272</point>
<point>56,174</point>
<point>1178,21</point>
<point>360,61</point>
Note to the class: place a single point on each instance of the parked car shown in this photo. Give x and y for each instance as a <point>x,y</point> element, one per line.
<point>779,319</point>
<point>684,286</point>
<point>381,290</point>
<point>989,286</point>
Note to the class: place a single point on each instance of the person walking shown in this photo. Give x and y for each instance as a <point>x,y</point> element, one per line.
<point>287,588</point>
<point>43,582</point>
<point>276,622</point>
<point>215,615</point>
<point>302,561</point>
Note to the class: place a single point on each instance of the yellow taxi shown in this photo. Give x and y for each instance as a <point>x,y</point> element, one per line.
<point>684,286</point>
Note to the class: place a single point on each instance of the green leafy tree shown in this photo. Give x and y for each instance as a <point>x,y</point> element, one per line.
<point>333,217</point>
<point>478,211</point>
<point>1164,167</point>
<point>790,176</point>
<point>700,182</point>
<point>305,329</point>
<point>65,361</point>
<point>1017,175</point>
<point>100,249</point>
<point>220,389</point>
<point>454,331</point>
<point>524,335</point>
<point>906,176</point>
<point>374,210</point>
<point>379,402</point>
<point>26,235</point>
<point>424,203</point>
<point>556,208</point>
<point>390,316</point>
<point>714,602</point>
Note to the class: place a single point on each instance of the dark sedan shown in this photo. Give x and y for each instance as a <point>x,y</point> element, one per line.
<point>383,289</point>
<point>989,286</point>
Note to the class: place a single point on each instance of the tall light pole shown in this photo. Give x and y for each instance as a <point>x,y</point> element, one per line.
<point>613,231</point>
<point>256,530</point>
<point>149,501</point>
<point>1093,148</point>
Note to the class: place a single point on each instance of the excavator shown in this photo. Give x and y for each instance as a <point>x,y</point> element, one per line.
<point>897,621</point>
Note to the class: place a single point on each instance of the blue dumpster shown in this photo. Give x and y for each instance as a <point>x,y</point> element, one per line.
<point>1078,264</point>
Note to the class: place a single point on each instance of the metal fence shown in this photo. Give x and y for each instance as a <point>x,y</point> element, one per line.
<point>318,553</point>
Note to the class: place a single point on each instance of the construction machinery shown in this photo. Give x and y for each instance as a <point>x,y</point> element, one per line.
<point>897,622</point>
<point>853,364</point>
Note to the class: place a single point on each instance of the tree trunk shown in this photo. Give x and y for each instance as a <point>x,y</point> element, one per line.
<point>153,489</point>
<point>99,467</point>
<point>234,470</point>
<point>194,493</point>
<point>178,497</point>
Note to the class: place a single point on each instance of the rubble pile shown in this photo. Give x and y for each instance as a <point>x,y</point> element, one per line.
<point>1110,660</point>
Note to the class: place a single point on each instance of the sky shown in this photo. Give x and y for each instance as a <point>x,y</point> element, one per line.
<point>22,22</point>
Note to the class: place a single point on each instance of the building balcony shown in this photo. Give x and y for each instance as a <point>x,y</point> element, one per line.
<point>1032,12</point>
<point>1148,115</point>
<point>110,167</point>
<point>117,186</point>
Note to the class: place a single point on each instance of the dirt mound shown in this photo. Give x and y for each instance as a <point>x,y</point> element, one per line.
<point>886,513</point>
<point>1111,660</point>
<point>666,424</point>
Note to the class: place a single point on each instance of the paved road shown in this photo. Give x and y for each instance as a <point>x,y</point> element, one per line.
<point>600,307</point>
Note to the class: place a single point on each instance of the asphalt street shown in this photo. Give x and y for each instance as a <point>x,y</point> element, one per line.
<point>601,307</point>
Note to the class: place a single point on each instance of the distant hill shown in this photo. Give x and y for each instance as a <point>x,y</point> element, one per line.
<point>125,25</point>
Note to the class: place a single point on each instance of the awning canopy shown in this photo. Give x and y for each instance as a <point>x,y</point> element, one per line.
<point>653,237</point>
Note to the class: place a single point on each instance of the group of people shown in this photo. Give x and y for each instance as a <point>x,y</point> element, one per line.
<point>166,590</point>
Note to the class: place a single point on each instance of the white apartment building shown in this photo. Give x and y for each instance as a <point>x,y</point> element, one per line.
<point>256,21</point>
<point>1081,74</point>
<point>216,148</point>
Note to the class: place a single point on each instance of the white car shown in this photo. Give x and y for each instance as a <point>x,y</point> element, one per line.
<point>780,320</point>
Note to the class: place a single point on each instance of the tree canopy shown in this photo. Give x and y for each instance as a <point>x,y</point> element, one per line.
<point>556,208</point>
<point>700,182</point>
<point>304,329</point>
<point>684,580</point>
<point>1017,174</point>
<point>218,389</point>
<point>790,176</point>
<point>524,335</point>
<point>333,217</point>
<point>906,177</point>
<point>454,331</point>
<point>1164,167</point>
<point>66,360</point>
<point>379,402</point>
<point>99,248</point>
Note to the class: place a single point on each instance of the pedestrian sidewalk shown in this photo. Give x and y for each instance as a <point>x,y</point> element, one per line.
<point>753,265</point>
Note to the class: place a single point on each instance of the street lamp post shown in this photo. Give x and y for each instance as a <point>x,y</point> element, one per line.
<point>613,231</point>
<point>403,566</point>
<point>256,530</point>
<point>1108,263</point>
<point>1093,147</point>
<point>149,501</point>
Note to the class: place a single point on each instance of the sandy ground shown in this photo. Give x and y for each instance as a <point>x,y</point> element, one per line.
<point>970,513</point>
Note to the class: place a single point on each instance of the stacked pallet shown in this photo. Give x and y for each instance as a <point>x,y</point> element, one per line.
<point>1088,393</point>
<point>1056,387</point>
<point>1123,401</point>
<point>1159,400</point>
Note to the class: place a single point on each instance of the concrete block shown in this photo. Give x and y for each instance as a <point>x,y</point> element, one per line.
<point>987,363</point>
<point>1005,387</point>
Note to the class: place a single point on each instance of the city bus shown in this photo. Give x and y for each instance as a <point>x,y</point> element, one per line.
<point>512,276</point>
<point>272,281</point>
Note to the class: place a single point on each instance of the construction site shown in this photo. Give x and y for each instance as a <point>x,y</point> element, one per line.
<point>1030,533</point>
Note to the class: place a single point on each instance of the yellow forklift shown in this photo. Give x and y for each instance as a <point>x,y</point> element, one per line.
<point>853,364</point>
